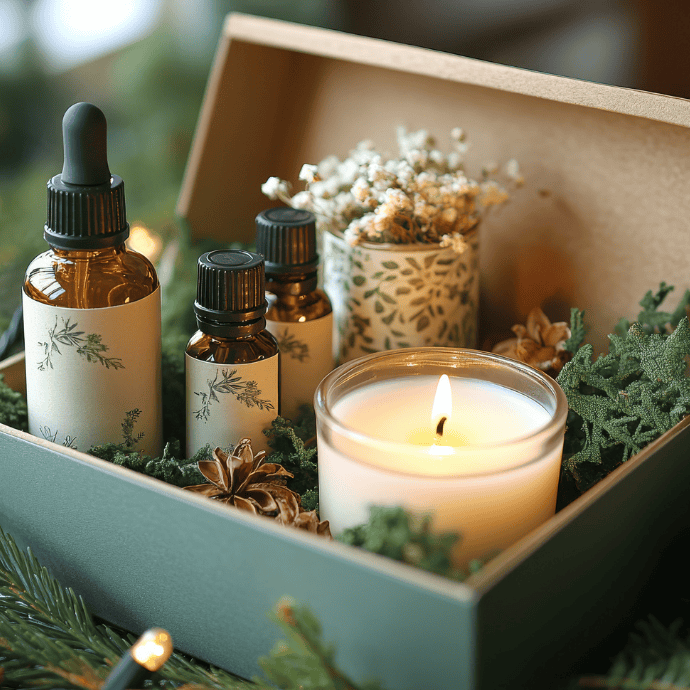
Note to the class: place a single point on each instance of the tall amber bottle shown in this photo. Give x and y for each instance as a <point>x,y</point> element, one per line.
<point>299,313</point>
<point>232,362</point>
<point>91,308</point>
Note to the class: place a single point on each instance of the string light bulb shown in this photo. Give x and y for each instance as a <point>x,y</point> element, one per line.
<point>146,656</point>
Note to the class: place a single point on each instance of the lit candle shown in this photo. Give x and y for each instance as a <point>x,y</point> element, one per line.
<point>440,434</point>
<point>471,437</point>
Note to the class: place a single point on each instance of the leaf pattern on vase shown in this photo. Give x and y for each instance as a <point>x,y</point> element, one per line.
<point>386,299</point>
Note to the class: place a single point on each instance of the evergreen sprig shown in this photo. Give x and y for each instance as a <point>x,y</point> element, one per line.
<point>578,330</point>
<point>171,467</point>
<point>396,534</point>
<point>651,319</point>
<point>622,400</point>
<point>48,636</point>
<point>656,658</point>
<point>303,661</point>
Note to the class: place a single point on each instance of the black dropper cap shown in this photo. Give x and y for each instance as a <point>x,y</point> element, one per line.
<point>286,237</point>
<point>86,204</point>
<point>230,291</point>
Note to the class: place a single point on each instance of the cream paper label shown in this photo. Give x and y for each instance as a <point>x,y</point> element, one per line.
<point>306,356</point>
<point>93,376</point>
<point>228,402</point>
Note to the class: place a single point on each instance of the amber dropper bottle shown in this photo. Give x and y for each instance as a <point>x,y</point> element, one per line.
<point>92,307</point>
<point>232,362</point>
<point>299,313</point>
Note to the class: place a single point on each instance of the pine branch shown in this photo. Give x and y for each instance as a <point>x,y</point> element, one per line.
<point>656,658</point>
<point>303,661</point>
<point>47,633</point>
<point>627,684</point>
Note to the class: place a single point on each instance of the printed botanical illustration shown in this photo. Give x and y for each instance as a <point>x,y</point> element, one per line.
<point>128,436</point>
<point>88,346</point>
<point>245,392</point>
<point>290,346</point>
<point>129,439</point>
<point>48,435</point>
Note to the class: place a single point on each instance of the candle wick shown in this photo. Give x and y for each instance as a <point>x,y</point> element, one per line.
<point>439,427</point>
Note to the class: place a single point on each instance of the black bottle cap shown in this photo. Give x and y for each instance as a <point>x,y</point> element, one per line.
<point>86,204</point>
<point>286,237</point>
<point>230,287</point>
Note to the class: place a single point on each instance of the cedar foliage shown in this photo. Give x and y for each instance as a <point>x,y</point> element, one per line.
<point>394,533</point>
<point>624,399</point>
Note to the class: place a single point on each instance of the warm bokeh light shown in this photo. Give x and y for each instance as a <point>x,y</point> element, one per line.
<point>70,32</point>
<point>144,241</point>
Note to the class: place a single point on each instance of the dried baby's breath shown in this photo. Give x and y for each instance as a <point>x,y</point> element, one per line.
<point>421,196</point>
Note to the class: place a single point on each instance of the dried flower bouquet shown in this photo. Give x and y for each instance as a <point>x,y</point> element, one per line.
<point>399,242</point>
<point>423,196</point>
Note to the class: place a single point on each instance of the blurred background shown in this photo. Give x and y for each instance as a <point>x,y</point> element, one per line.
<point>145,63</point>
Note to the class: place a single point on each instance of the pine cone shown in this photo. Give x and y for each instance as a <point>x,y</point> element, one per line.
<point>539,343</point>
<point>245,481</point>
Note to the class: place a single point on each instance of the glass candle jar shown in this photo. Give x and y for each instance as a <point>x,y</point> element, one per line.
<point>485,463</point>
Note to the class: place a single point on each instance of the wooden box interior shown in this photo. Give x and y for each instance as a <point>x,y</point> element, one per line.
<point>603,213</point>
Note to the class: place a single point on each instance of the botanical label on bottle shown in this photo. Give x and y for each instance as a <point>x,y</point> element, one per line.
<point>228,402</point>
<point>93,376</point>
<point>306,356</point>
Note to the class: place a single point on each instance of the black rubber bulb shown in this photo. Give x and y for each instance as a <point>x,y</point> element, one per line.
<point>84,135</point>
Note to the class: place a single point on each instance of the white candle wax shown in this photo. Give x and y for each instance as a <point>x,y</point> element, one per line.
<point>482,413</point>
<point>494,479</point>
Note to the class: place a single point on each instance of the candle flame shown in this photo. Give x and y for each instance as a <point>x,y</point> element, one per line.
<point>443,403</point>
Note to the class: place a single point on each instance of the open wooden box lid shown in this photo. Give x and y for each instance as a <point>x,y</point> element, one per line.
<point>603,216</point>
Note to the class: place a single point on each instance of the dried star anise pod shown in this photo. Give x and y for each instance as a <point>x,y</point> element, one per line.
<point>309,521</point>
<point>246,481</point>
<point>538,343</point>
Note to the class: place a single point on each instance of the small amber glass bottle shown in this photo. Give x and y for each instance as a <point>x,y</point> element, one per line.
<point>299,313</point>
<point>231,363</point>
<point>91,308</point>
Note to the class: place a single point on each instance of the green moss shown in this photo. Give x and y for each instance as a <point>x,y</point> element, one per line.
<point>13,410</point>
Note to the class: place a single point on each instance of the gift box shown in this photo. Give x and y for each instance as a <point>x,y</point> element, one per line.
<point>602,218</point>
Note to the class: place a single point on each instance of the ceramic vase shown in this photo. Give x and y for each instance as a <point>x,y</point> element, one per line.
<point>390,296</point>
